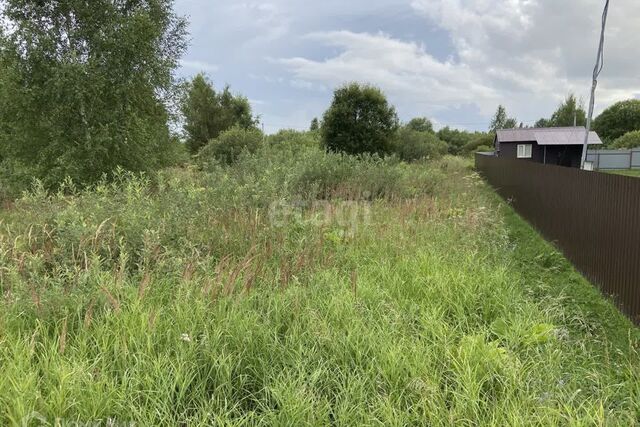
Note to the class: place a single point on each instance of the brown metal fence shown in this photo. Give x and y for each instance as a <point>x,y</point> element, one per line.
<point>594,218</point>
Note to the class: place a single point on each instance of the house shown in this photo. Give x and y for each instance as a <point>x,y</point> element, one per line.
<point>553,146</point>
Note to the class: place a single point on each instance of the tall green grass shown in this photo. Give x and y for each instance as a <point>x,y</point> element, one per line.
<point>298,287</point>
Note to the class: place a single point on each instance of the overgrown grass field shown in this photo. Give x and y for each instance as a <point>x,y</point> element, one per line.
<point>297,287</point>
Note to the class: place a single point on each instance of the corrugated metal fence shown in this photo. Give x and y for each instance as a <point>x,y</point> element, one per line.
<point>594,218</point>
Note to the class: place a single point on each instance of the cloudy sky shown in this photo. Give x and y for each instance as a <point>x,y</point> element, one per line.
<point>451,60</point>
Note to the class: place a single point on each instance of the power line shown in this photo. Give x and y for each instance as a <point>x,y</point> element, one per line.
<point>596,73</point>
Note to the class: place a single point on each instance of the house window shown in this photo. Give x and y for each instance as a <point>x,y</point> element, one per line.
<point>524,151</point>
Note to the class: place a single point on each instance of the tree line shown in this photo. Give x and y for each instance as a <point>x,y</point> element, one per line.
<point>89,87</point>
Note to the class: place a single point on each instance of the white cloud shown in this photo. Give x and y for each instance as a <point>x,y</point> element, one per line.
<point>526,54</point>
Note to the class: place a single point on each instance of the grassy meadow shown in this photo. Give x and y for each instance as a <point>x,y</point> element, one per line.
<point>298,287</point>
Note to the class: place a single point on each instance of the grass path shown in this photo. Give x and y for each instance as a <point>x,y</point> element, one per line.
<point>442,309</point>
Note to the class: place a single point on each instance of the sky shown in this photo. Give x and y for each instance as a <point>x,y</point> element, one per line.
<point>453,61</point>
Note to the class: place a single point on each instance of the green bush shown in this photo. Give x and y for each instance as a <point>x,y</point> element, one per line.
<point>481,142</point>
<point>295,137</point>
<point>412,145</point>
<point>628,140</point>
<point>230,144</point>
<point>620,118</point>
<point>360,120</point>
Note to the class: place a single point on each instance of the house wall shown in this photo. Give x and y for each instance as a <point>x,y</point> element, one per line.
<point>563,155</point>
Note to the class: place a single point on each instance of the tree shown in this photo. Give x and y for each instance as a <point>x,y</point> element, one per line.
<point>420,124</point>
<point>207,114</point>
<point>628,140</point>
<point>86,86</point>
<point>618,119</point>
<point>455,139</point>
<point>315,124</point>
<point>567,112</point>
<point>500,120</point>
<point>412,145</point>
<point>360,120</point>
<point>230,144</point>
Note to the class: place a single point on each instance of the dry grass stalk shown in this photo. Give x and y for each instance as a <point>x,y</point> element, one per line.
<point>144,283</point>
<point>88,315</point>
<point>354,282</point>
<point>115,304</point>
<point>63,337</point>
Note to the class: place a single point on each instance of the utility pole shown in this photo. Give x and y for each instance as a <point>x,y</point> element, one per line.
<point>596,73</point>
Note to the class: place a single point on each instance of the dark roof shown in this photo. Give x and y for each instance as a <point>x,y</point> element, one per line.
<point>548,136</point>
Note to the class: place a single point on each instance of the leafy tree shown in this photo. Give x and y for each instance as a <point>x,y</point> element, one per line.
<point>230,144</point>
<point>455,139</point>
<point>500,120</point>
<point>542,123</point>
<point>86,86</point>
<point>315,124</point>
<point>567,112</point>
<point>420,124</point>
<point>207,114</point>
<point>617,120</point>
<point>628,140</point>
<point>479,140</point>
<point>414,145</point>
<point>360,120</point>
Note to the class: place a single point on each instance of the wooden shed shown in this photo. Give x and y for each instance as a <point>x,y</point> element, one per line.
<point>554,146</point>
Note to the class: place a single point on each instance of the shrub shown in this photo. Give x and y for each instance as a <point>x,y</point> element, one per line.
<point>360,120</point>
<point>628,140</point>
<point>482,142</point>
<point>295,137</point>
<point>230,144</point>
<point>413,145</point>
<point>618,119</point>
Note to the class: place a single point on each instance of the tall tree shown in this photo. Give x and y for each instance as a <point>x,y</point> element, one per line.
<point>360,120</point>
<point>85,85</point>
<point>207,114</point>
<point>568,111</point>
<point>617,120</point>
<point>315,124</point>
<point>420,124</point>
<point>500,120</point>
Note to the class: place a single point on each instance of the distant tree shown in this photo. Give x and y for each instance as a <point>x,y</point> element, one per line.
<point>420,124</point>
<point>479,140</point>
<point>412,145</point>
<point>85,86</point>
<point>542,123</point>
<point>360,120</point>
<point>500,120</point>
<point>315,124</point>
<point>617,120</point>
<point>455,139</point>
<point>207,114</point>
<point>230,144</point>
<point>628,140</point>
<point>567,112</point>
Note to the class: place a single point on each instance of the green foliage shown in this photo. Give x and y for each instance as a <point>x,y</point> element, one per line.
<point>412,145</point>
<point>233,297</point>
<point>420,124</point>
<point>295,137</point>
<point>628,140</point>
<point>360,120</point>
<point>315,125</point>
<point>85,86</point>
<point>461,141</point>
<point>480,142</point>
<point>207,114</point>
<point>231,143</point>
<point>568,111</point>
<point>617,120</point>
<point>500,120</point>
